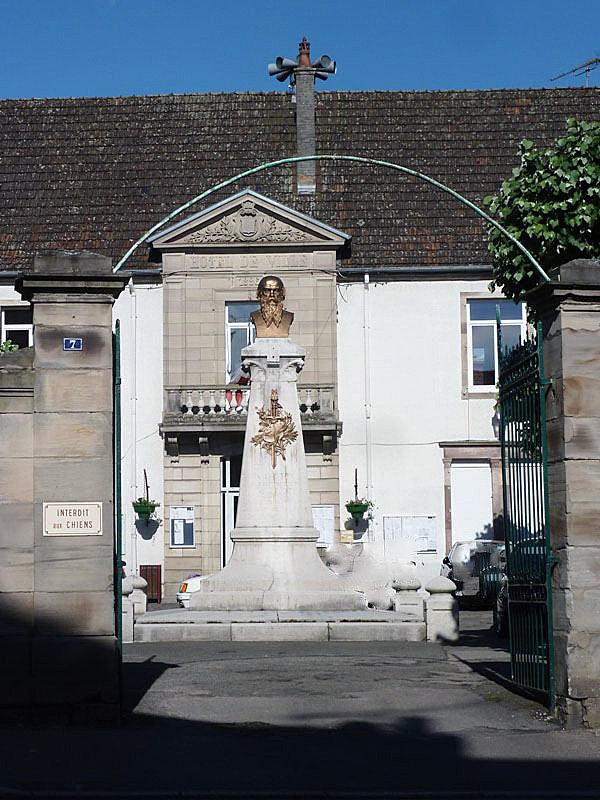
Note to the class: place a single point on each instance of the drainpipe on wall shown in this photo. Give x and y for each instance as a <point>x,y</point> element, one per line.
<point>367,382</point>
<point>133,566</point>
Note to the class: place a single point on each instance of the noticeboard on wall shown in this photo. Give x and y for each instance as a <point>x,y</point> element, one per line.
<point>410,533</point>
<point>182,526</point>
<point>324,522</point>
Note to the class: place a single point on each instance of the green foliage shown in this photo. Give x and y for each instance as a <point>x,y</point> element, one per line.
<point>551,204</point>
<point>8,347</point>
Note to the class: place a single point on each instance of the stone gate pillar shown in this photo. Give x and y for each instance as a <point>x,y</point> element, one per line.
<point>74,652</point>
<point>570,315</point>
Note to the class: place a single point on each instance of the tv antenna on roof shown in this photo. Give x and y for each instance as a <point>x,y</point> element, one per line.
<point>582,69</point>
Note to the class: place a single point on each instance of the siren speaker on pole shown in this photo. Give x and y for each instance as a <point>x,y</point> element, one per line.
<point>281,68</point>
<point>326,65</point>
<point>285,63</point>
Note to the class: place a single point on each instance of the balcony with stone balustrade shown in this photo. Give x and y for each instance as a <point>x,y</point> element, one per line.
<point>225,408</point>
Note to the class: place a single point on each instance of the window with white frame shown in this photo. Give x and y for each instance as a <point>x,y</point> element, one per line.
<point>239,333</point>
<point>16,325</point>
<point>482,339</point>
<point>231,473</point>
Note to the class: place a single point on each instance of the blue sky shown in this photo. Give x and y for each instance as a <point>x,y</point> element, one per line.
<point>62,48</point>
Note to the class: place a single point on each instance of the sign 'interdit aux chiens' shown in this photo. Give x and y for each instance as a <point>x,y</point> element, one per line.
<point>72,519</point>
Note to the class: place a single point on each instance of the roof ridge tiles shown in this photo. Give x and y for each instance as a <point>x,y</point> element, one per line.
<point>279,94</point>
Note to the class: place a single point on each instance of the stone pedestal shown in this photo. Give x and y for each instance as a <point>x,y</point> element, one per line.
<point>127,610</point>
<point>274,564</point>
<point>570,315</point>
<point>138,595</point>
<point>407,601</point>
<point>442,610</point>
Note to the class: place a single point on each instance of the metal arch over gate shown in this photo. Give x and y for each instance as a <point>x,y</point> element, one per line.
<point>529,560</point>
<point>334,157</point>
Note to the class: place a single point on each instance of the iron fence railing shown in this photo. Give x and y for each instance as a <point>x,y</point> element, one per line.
<point>522,388</point>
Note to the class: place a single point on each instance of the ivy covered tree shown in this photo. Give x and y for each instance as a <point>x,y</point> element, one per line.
<point>551,204</point>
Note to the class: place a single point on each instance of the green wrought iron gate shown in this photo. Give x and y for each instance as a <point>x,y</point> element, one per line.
<point>522,389</point>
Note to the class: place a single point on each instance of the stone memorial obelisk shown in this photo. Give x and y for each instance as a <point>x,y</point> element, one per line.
<point>274,564</point>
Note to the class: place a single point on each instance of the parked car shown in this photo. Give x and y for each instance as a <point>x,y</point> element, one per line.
<point>464,565</point>
<point>490,576</point>
<point>187,587</point>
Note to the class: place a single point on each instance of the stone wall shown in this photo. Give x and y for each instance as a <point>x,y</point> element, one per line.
<point>16,524</point>
<point>193,480</point>
<point>57,590</point>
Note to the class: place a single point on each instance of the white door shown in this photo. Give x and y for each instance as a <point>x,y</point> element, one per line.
<point>230,491</point>
<point>471,501</point>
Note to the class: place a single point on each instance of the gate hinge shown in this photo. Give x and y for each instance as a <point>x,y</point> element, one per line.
<point>552,559</point>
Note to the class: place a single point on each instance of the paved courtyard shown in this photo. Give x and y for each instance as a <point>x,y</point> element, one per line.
<point>310,719</point>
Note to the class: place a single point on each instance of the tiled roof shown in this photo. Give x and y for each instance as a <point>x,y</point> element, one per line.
<point>96,173</point>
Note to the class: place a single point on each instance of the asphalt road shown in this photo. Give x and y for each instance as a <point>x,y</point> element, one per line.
<point>311,720</point>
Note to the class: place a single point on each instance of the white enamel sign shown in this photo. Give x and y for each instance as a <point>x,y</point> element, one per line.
<point>72,519</point>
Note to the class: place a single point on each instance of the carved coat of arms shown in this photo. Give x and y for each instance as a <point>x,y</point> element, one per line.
<point>276,429</point>
<point>249,224</point>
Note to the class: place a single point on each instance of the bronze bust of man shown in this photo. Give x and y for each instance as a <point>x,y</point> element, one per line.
<point>272,321</point>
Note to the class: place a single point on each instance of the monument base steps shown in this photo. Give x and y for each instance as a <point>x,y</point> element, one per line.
<point>280,575</point>
<point>276,626</point>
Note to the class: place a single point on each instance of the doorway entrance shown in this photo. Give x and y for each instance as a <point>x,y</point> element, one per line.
<point>471,499</point>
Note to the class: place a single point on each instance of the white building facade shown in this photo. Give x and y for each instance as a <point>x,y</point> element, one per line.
<point>417,400</point>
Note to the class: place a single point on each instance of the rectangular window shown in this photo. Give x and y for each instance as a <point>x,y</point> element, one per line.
<point>16,325</point>
<point>239,333</point>
<point>482,340</point>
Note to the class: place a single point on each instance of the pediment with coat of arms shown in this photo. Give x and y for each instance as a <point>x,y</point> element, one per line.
<point>248,219</point>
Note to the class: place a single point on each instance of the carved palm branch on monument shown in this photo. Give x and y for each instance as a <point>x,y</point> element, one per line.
<point>276,429</point>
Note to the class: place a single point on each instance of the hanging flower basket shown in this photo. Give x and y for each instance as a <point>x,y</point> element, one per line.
<point>145,508</point>
<point>357,508</point>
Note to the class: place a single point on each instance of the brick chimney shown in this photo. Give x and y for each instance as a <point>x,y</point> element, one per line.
<point>302,74</point>
<point>306,143</point>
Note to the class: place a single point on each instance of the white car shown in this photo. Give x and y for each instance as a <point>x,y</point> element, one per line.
<point>187,587</point>
<point>465,562</point>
